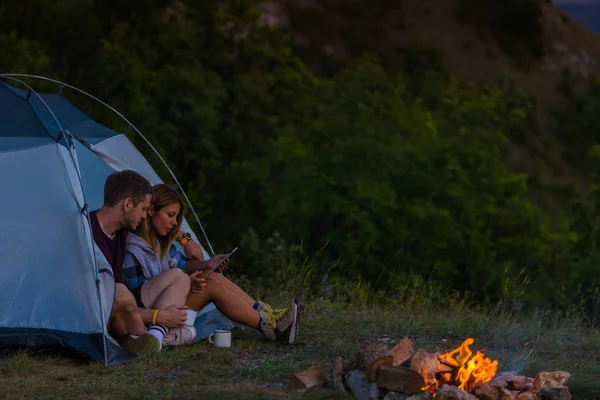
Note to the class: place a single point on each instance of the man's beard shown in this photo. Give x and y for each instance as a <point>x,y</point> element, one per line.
<point>130,223</point>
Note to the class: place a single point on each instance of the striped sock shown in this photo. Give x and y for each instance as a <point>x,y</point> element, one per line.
<point>159,331</point>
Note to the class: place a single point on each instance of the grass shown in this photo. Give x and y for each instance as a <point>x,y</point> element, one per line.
<point>255,369</point>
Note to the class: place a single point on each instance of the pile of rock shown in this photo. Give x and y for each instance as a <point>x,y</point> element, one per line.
<point>379,372</point>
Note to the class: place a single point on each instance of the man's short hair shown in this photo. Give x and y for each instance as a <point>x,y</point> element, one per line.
<point>123,184</point>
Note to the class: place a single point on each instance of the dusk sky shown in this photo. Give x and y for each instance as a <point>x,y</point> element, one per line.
<point>587,12</point>
<point>560,2</point>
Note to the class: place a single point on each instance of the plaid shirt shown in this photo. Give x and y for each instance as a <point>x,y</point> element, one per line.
<point>133,274</point>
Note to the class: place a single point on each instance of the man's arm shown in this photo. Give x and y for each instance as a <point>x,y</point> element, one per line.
<point>147,315</point>
<point>172,317</point>
<point>191,249</point>
<point>212,263</point>
<point>196,265</point>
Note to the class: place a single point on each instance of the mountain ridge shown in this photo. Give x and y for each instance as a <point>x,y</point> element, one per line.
<point>571,56</point>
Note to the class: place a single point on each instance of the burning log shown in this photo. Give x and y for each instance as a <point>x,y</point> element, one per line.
<point>372,356</point>
<point>402,352</point>
<point>459,374</point>
<point>373,374</point>
<point>367,357</point>
<point>399,379</point>
<point>428,365</point>
<point>458,367</point>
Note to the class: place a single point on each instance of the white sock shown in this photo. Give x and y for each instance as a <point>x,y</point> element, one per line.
<point>158,331</point>
<point>191,316</point>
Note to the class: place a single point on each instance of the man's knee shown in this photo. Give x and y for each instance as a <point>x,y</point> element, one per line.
<point>124,300</point>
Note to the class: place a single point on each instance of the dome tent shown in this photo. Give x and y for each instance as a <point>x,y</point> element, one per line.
<point>56,287</point>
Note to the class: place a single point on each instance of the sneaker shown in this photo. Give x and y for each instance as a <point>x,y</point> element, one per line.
<point>284,327</point>
<point>267,329</point>
<point>180,336</point>
<point>269,314</point>
<point>139,345</point>
<point>288,322</point>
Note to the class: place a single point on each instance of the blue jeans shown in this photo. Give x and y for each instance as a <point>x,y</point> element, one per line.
<point>208,320</point>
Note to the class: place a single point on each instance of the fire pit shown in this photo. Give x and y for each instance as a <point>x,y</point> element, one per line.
<point>398,373</point>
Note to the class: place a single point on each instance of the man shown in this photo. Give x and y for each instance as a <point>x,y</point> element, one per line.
<point>127,198</point>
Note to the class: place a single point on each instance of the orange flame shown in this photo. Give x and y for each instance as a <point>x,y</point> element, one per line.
<point>459,367</point>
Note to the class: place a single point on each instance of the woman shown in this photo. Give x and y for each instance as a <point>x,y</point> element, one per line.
<point>159,276</point>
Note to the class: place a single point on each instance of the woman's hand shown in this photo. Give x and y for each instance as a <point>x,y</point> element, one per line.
<point>172,317</point>
<point>198,283</point>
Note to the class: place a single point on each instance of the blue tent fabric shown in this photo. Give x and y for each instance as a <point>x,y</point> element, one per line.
<point>50,107</point>
<point>19,129</point>
<point>56,287</point>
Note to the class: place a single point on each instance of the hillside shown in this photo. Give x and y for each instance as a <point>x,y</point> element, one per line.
<point>333,33</point>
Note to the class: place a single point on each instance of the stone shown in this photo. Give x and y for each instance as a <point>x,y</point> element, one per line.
<point>373,393</point>
<point>361,387</point>
<point>488,392</point>
<point>506,394</point>
<point>448,392</point>
<point>529,395</point>
<point>512,381</point>
<point>399,396</point>
<point>422,396</point>
<point>551,379</point>
<point>394,396</point>
<point>555,393</point>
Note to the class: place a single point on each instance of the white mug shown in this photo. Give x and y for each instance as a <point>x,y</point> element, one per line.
<point>221,338</point>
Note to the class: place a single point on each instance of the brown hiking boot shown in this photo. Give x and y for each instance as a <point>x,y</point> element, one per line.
<point>143,344</point>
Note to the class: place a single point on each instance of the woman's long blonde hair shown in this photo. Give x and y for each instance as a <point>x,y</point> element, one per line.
<point>162,196</point>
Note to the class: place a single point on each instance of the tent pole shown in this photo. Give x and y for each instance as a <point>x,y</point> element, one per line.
<point>139,133</point>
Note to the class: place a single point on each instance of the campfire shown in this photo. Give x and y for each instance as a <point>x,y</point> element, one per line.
<point>380,372</point>
<point>461,368</point>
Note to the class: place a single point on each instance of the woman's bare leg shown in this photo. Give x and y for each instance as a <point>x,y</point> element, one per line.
<point>226,302</point>
<point>170,288</point>
<point>235,289</point>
